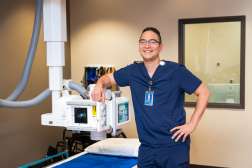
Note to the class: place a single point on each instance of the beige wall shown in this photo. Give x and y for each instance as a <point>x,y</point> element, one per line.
<point>106,32</point>
<point>22,138</point>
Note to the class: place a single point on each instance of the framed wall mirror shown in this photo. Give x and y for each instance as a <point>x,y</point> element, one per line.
<point>214,50</point>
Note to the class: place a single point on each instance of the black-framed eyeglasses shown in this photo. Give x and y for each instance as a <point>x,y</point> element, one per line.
<point>151,42</point>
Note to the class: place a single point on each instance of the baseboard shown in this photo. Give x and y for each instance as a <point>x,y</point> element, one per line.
<point>202,166</point>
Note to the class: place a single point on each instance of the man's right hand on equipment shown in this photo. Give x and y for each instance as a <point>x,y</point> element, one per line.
<point>98,93</point>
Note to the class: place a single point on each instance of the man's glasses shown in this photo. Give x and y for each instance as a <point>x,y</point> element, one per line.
<point>151,42</point>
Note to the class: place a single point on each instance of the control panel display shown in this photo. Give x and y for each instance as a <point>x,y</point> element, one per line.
<point>80,115</point>
<point>123,112</point>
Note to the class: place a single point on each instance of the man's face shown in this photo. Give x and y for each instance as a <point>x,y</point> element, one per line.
<point>149,46</point>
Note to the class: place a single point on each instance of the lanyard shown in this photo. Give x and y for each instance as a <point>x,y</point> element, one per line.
<point>149,95</point>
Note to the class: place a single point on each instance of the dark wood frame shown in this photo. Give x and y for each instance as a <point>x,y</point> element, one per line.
<point>181,51</point>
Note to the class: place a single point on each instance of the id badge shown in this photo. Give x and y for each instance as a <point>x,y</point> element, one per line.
<point>148,98</point>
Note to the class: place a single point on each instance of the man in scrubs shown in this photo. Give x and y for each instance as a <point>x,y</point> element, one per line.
<point>157,89</point>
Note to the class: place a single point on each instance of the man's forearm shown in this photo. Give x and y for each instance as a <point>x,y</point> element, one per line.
<point>186,129</point>
<point>104,81</point>
<point>201,105</point>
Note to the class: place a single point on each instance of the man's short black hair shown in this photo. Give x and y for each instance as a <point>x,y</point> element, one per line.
<point>155,30</point>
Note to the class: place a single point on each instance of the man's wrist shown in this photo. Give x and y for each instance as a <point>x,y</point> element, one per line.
<point>193,124</point>
<point>99,85</point>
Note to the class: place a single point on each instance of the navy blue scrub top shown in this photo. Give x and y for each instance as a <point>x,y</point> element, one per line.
<point>169,83</point>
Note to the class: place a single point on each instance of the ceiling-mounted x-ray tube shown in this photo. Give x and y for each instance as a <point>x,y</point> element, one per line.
<point>55,36</point>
